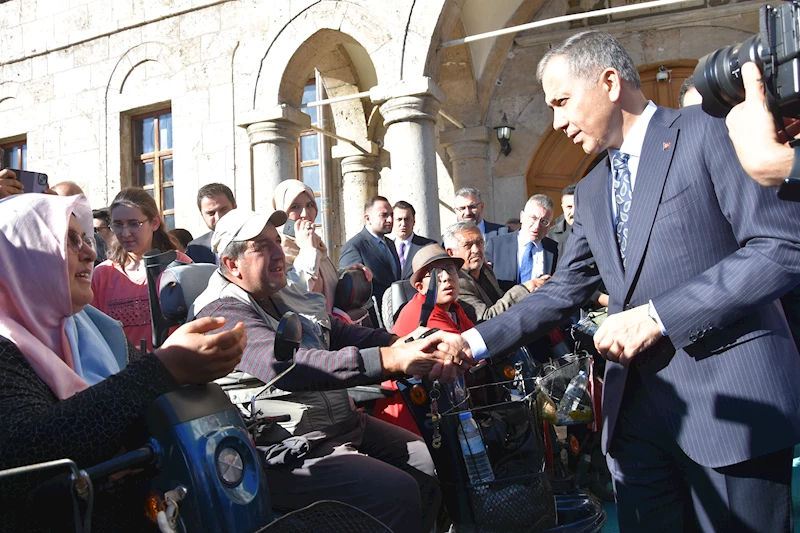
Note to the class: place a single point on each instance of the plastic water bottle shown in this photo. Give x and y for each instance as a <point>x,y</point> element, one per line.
<point>572,397</point>
<point>478,467</point>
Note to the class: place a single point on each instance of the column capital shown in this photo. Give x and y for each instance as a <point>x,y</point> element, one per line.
<point>361,163</point>
<point>343,149</point>
<point>467,143</point>
<point>415,99</point>
<point>282,123</point>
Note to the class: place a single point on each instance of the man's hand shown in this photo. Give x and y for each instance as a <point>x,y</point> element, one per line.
<point>9,184</point>
<point>533,284</point>
<point>359,266</point>
<point>624,335</point>
<point>191,356</point>
<point>438,356</point>
<point>752,130</point>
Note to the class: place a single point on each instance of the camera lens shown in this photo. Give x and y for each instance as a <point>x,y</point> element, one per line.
<point>718,76</point>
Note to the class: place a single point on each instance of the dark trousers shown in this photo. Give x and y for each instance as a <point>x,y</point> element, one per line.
<point>379,468</point>
<point>659,488</point>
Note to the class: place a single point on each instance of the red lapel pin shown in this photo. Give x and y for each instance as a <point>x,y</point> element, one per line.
<point>666,145</point>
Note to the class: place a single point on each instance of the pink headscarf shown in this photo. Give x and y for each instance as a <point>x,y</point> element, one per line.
<point>34,283</point>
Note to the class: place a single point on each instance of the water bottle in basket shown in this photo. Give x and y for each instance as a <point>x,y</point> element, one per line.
<point>478,467</point>
<point>572,397</point>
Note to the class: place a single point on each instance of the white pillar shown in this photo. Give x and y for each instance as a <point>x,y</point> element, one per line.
<point>360,174</point>
<point>468,150</point>
<point>274,137</point>
<point>409,109</point>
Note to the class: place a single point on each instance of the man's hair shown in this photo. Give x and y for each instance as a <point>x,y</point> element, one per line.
<point>568,190</point>
<point>103,215</point>
<point>182,235</point>
<point>463,192</point>
<point>234,250</point>
<point>449,237</point>
<point>542,200</point>
<point>687,85</point>
<point>215,189</point>
<point>589,53</point>
<point>372,201</point>
<point>402,204</point>
<point>512,220</point>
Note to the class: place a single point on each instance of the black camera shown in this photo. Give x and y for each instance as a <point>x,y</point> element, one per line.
<point>775,50</point>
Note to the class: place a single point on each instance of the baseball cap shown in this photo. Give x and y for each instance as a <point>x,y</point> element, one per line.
<point>239,225</point>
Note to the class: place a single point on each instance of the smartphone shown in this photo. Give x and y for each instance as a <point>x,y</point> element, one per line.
<point>32,181</point>
<point>790,190</point>
<point>288,228</point>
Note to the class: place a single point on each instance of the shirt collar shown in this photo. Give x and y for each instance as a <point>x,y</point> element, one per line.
<point>634,140</point>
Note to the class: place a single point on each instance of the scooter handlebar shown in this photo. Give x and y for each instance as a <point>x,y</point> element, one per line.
<point>138,457</point>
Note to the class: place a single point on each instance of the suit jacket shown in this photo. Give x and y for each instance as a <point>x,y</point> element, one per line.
<point>713,251</point>
<point>364,249</point>
<point>493,229</point>
<point>483,298</point>
<point>200,249</point>
<point>501,251</point>
<point>559,232</point>
<point>417,242</point>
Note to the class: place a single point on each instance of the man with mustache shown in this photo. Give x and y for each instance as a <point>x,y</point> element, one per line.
<point>479,293</point>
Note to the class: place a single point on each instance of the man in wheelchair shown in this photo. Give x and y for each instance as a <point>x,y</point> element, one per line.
<point>351,457</point>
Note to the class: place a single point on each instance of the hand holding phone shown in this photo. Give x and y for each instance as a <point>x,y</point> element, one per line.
<point>9,185</point>
<point>31,181</point>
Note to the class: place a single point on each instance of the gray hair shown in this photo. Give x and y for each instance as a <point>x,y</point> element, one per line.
<point>449,237</point>
<point>589,53</point>
<point>463,192</point>
<point>235,250</point>
<point>542,200</point>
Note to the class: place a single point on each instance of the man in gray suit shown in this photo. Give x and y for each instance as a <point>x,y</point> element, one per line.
<point>700,396</point>
<point>214,201</point>
<point>527,254</point>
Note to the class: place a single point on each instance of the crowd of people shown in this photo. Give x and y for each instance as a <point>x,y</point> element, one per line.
<point>700,401</point>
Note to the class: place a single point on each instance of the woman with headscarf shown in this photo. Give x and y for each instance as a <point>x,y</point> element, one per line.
<point>71,385</point>
<point>307,257</point>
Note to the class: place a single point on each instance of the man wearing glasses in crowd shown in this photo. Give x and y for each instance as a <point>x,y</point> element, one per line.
<point>468,205</point>
<point>526,254</point>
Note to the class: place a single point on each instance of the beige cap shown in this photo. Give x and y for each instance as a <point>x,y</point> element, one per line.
<point>427,255</point>
<point>239,225</point>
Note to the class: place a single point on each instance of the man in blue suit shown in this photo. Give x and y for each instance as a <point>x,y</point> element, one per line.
<point>527,254</point>
<point>700,396</point>
<point>468,205</point>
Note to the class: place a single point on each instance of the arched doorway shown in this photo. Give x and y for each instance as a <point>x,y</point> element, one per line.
<point>557,162</point>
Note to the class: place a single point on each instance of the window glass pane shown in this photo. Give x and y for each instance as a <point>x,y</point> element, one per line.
<point>169,221</point>
<point>143,135</point>
<point>310,95</point>
<point>169,198</point>
<point>166,171</point>
<point>151,192</point>
<point>309,148</point>
<point>311,176</point>
<point>318,220</point>
<point>24,165</point>
<point>12,156</point>
<point>145,174</point>
<point>165,131</point>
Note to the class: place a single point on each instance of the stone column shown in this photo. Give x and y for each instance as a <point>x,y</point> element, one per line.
<point>469,152</point>
<point>360,174</point>
<point>409,110</point>
<point>274,137</point>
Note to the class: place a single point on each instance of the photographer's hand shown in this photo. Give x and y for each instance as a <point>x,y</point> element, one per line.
<point>752,130</point>
<point>9,185</point>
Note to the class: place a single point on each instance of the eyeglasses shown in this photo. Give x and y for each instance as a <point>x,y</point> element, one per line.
<point>98,228</point>
<point>543,221</point>
<point>450,269</point>
<point>470,207</point>
<point>132,225</point>
<point>76,241</point>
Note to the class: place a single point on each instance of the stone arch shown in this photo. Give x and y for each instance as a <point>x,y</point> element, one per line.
<point>136,57</point>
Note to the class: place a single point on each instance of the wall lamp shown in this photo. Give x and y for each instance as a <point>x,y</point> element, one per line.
<point>504,135</point>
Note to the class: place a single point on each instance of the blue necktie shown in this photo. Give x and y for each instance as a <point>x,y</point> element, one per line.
<point>526,268</point>
<point>623,194</point>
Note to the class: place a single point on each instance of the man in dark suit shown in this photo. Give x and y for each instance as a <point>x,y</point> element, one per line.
<point>214,201</point>
<point>526,254</point>
<point>559,229</point>
<point>468,205</point>
<point>406,242</point>
<point>700,395</point>
<point>479,293</point>
<point>372,248</point>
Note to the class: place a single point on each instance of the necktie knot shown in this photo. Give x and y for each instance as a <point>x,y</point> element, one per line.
<point>620,161</point>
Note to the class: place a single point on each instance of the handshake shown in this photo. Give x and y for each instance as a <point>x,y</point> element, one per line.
<point>438,355</point>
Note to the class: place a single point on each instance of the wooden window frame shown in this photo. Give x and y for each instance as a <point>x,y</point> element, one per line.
<point>14,144</point>
<point>156,155</point>
<point>313,162</point>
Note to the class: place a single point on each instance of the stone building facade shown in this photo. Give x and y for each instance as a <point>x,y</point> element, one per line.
<point>174,94</point>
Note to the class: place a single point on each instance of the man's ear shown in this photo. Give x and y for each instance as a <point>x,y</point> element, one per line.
<point>418,285</point>
<point>232,265</point>
<point>450,252</point>
<point>611,82</point>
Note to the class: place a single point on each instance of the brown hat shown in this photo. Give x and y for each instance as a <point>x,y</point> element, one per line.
<point>427,255</point>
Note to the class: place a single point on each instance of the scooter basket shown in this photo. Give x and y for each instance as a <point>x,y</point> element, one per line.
<point>554,378</point>
<point>520,498</point>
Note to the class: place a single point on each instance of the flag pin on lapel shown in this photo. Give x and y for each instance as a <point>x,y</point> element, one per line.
<point>666,145</point>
